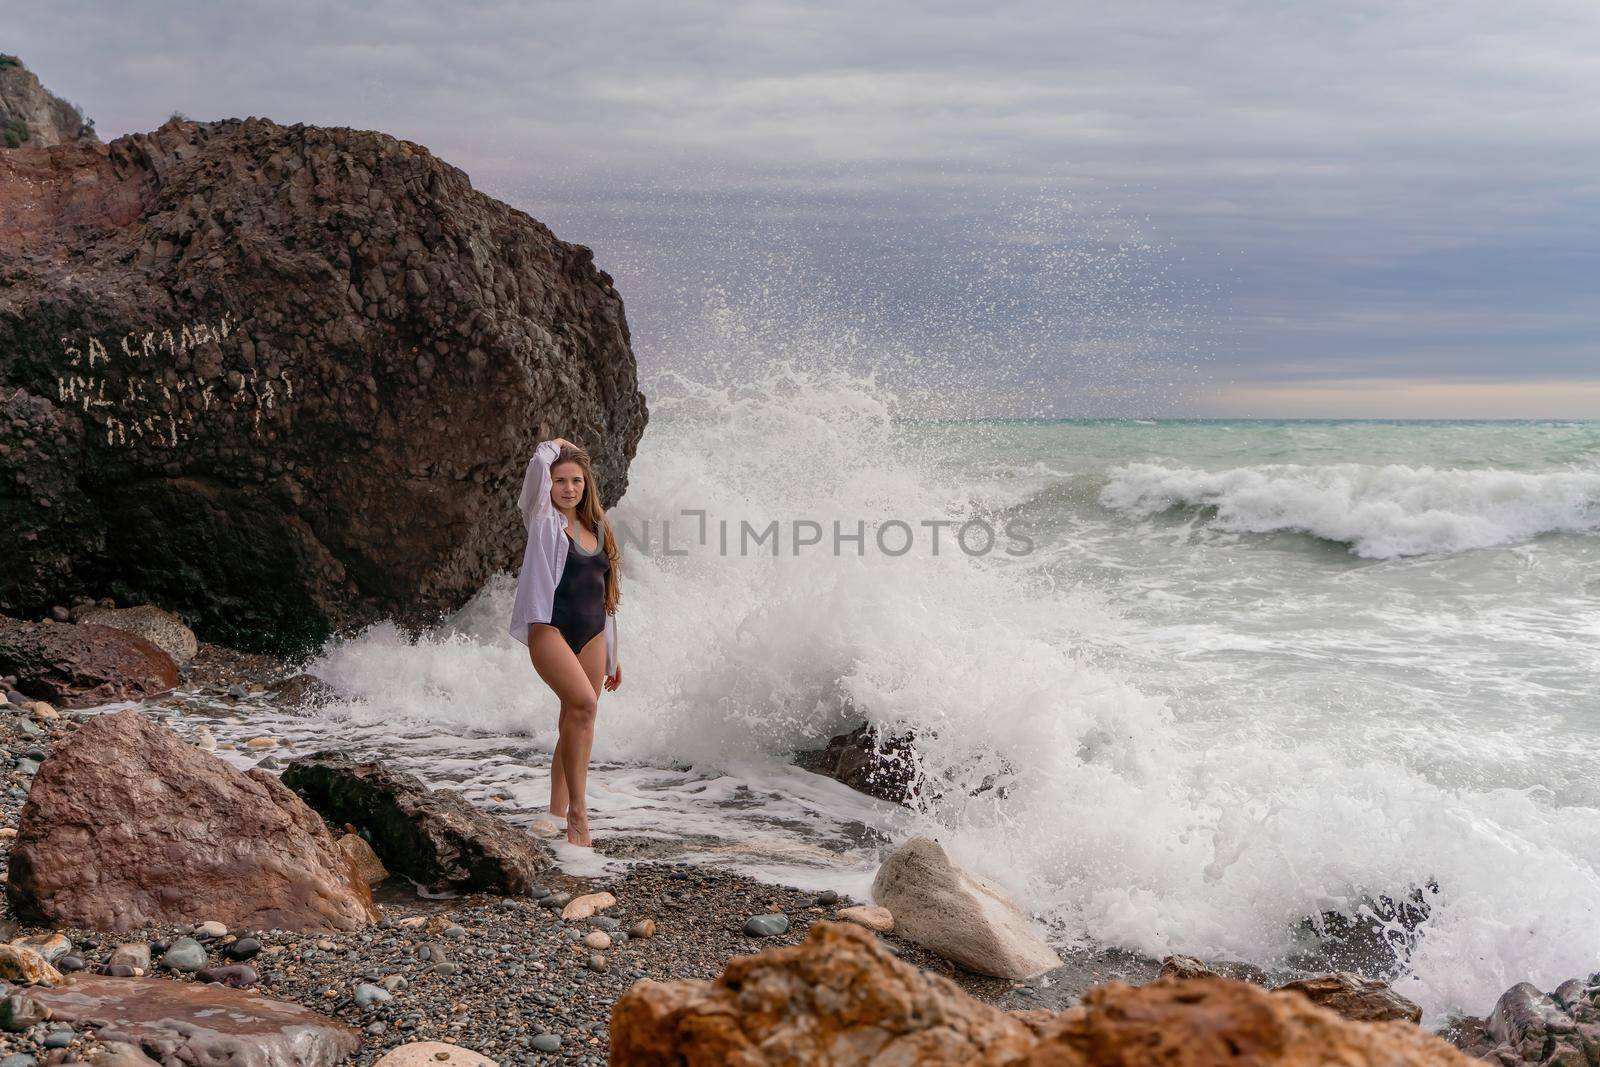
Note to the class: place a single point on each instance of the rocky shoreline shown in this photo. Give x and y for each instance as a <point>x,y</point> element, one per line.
<point>518,976</point>
<point>505,976</point>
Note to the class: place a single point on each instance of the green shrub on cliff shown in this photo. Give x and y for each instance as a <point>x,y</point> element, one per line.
<point>9,61</point>
<point>16,131</point>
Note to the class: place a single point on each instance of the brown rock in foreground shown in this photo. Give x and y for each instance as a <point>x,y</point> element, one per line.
<point>183,1023</point>
<point>282,379</point>
<point>841,999</point>
<point>127,826</point>
<point>82,666</point>
<point>434,837</point>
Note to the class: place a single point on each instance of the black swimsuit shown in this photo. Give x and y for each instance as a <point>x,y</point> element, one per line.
<point>579,610</point>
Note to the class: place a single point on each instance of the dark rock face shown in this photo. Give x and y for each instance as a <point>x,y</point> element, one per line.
<point>127,826</point>
<point>81,666</point>
<point>184,1023</point>
<point>434,837</point>
<point>282,380</point>
<point>1531,1027</point>
<point>882,767</point>
<point>32,116</point>
<point>302,691</point>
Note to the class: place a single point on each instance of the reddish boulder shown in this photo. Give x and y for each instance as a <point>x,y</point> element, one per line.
<point>839,997</point>
<point>81,666</point>
<point>127,826</point>
<point>1212,1022</point>
<point>842,999</point>
<point>186,1023</point>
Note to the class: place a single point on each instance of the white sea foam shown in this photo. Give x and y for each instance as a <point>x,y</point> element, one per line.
<point>1381,512</point>
<point>1118,812</point>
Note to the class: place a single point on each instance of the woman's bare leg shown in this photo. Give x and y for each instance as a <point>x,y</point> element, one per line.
<point>577,685</point>
<point>558,781</point>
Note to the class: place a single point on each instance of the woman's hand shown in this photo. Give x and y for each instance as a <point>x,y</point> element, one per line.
<point>614,680</point>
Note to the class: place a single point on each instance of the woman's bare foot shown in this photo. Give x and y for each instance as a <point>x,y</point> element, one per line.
<point>578,828</point>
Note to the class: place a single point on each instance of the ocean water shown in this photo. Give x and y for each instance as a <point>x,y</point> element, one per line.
<point>1212,679</point>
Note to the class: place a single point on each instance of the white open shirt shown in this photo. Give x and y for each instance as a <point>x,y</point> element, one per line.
<point>546,555</point>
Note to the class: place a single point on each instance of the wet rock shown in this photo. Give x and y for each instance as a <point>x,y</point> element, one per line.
<point>210,930</point>
<point>161,628</point>
<point>1376,937</point>
<point>304,692</point>
<point>1529,1027</point>
<point>127,826</point>
<point>82,666</point>
<point>1186,967</point>
<point>1354,997</point>
<point>958,915</point>
<point>199,1024</point>
<point>338,338</point>
<point>871,762</point>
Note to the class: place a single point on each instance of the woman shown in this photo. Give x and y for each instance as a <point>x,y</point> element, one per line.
<point>567,596</point>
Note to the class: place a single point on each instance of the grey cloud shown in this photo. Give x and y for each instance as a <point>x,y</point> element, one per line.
<point>1099,193</point>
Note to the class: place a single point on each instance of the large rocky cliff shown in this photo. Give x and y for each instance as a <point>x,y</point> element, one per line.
<point>284,379</point>
<point>33,116</point>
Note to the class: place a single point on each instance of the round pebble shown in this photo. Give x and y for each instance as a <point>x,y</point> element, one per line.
<point>186,954</point>
<point>367,995</point>
<point>546,1042</point>
<point>597,963</point>
<point>766,925</point>
<point>597,939</point>
<point>245,948</point>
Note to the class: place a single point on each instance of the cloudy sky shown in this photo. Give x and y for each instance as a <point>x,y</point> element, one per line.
<point>1262,209</point>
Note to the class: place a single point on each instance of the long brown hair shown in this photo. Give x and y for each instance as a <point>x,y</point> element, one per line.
<point>593,516</point>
